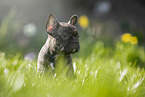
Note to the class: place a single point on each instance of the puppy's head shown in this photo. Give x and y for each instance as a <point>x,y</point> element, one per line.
<point>66,34</point>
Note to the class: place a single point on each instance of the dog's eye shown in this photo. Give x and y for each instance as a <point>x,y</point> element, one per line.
<point>65,36</point>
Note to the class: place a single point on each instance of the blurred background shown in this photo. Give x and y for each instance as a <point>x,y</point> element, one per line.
<point>22,22</point>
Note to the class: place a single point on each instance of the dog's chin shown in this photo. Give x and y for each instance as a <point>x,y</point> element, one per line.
<point>67,49</point>
<point>72,51</point>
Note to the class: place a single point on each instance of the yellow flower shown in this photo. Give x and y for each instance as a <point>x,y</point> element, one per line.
<point>126,37</point>
<point>83,21</point>
<point>134,40</point>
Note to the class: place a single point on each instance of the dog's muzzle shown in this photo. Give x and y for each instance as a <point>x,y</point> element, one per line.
<point>71,46</point>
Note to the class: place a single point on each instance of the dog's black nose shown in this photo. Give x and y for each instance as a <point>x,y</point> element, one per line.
<point>75,40</point>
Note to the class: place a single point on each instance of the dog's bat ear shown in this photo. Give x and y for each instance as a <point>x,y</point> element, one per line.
<point>73,20</point>
<point>52,24</point>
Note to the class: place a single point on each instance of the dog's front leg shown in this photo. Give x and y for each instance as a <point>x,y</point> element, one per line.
<point>70,72</point>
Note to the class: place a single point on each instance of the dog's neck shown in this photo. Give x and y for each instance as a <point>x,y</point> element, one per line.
<point>51,44</point>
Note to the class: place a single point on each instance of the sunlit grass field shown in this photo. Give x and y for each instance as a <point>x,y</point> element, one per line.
<point>105,72</point>
<point>103,67</point>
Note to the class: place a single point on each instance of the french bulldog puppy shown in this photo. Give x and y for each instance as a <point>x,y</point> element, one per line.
<point>62,40</point>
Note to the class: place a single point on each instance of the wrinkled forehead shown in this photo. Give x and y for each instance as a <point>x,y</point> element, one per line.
<point>67,26</point>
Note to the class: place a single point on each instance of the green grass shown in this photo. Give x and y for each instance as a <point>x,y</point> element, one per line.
<point>105,68</point>
<point>103,72</point>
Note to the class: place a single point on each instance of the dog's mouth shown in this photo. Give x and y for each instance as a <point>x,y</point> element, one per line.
<point>71,46</point>
<point>76,49</point>
<point>70,49</point>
